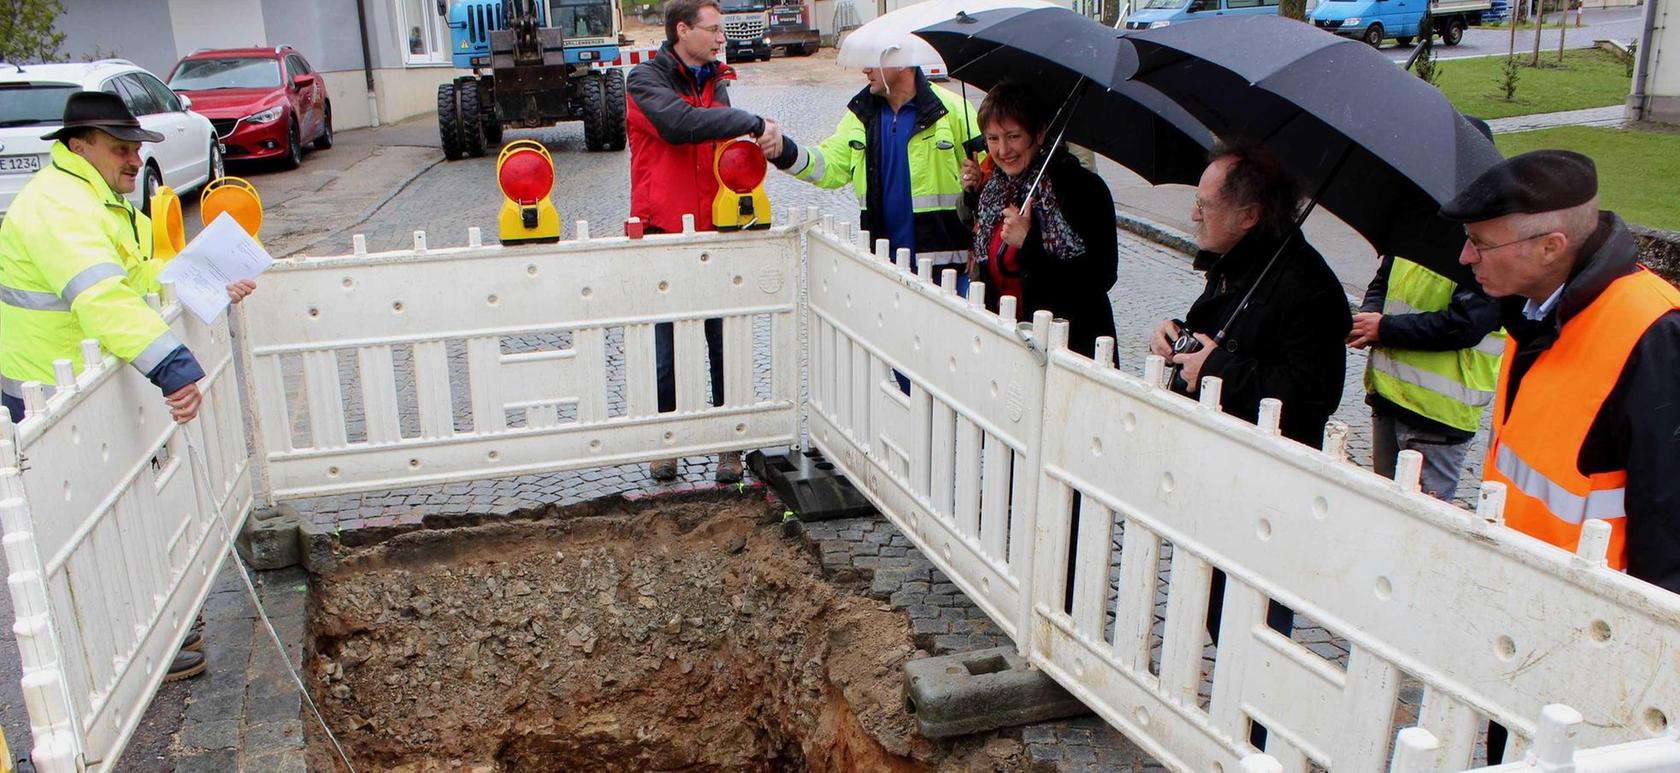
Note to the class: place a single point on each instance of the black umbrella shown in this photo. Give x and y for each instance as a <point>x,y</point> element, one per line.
<point>1072,61</point>
<point>1382,149</point>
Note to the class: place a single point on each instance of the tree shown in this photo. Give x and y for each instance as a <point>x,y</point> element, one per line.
<point>27,31</point>
<point>1293,9</point>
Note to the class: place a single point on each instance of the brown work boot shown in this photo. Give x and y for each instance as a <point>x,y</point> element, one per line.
<point>193,643</point>
<point>187,664</point>
<point>729,467</point>
<point>664,469</point>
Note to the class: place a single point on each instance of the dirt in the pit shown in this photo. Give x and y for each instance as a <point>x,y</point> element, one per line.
<point>683,636</point>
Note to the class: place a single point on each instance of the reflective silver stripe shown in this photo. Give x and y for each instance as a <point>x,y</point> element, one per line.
<point>943,258</point>
<point>936,201</point>
<point>811,166</point>
<point>1434,382</point>
<point>155,351</point>
<point>89,277</point>
<point>32,300</point>
<point>1603,504</point>
<point>1397,306</point>
<point>12,387</point>
<point>1492,345</point>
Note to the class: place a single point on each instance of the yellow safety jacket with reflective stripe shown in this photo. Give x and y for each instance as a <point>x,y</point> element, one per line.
<point>1451,387</point>
<point>75,263</point>
<point>935,154</point>
<point>1537,438</point>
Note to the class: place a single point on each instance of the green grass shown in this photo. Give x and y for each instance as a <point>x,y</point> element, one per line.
<point>1638,170</point>
<point>1587,78</point>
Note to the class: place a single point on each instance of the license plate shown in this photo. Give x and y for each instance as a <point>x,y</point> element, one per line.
<point>20,164</point>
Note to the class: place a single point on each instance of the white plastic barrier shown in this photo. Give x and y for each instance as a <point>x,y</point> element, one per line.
<point>952,462</point>
<point>357,350</point>
<point>111,540</point>
<point>1488,621</point>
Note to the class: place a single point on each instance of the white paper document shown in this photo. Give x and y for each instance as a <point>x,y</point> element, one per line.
<point>221,254</point>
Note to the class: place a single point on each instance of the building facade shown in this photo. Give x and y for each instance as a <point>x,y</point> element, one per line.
<point>406,44</point>
<point>1656,74</point>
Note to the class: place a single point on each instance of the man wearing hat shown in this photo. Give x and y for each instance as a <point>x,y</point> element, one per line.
<point>1586,419</point>
<point>76,263</point>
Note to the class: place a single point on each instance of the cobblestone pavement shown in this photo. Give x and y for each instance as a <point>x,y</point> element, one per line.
<point>231,714</point>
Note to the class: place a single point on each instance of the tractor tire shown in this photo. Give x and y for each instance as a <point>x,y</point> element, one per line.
<point>472,122</point>
<point>449,122</point>
<point>592,89</point>
<point>615,107</point>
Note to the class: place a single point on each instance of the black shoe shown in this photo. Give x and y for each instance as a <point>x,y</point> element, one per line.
<point>193,643</point>
<point>185,666</point>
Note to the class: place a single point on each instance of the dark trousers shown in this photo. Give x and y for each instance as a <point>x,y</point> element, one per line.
<point>14,406</point>
<point>1278,618</point>
<point>664,351</point>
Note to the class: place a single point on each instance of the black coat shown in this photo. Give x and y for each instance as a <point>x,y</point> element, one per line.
<point>1075,289</point>
<point>1638,427</point>
<point>1290,342</point>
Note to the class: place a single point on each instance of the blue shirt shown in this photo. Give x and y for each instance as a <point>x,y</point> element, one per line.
<point>897,219</point>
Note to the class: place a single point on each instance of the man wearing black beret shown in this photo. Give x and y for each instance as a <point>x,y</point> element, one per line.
<point>1586,418</point>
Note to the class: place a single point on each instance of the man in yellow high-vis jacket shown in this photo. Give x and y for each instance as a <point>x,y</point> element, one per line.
<point>76,263</point>
<point>1435,346</point>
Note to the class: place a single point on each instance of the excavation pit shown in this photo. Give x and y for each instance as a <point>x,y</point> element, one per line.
<point>661,635</point>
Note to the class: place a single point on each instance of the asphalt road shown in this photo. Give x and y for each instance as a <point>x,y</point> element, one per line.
<point>1622,24</point>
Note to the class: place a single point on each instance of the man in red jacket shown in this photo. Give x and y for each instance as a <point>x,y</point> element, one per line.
<point>678,111</point>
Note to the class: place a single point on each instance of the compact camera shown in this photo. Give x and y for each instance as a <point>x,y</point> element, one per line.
<point>1186,343</point>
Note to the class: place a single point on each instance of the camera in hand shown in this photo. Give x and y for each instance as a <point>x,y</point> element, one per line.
<point>1186,343</point>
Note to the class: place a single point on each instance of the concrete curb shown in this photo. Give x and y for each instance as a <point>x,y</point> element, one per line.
<point>1166,236</point>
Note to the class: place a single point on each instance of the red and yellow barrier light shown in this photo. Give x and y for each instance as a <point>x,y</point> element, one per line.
<point>169,234</point>
<point>740,203</point>
<point>525,173</point>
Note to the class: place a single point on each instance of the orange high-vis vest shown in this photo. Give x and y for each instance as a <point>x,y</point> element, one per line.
<point>1537,442</point>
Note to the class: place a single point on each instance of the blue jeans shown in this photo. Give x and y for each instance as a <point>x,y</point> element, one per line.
<point>664,353</point>
<point>1443,458</point>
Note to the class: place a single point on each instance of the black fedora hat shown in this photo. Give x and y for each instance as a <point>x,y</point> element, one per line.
<point>105,112</point>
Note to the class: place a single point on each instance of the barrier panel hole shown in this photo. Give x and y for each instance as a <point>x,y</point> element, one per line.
<point>665,286</point>
<point>587,292</point>
<point>397,307</point>
<point>1320,507</point>
<point>1384,589</point>
<point>739,280</point>
<point>1129,421</point>
<point>696,635</point>
<point>1096,446</point>
<point>1167,482</point>
<point>705,257</point>
<point>1656,720</point>
<point>531,270</point>
<point>1264,529</point>
<point>314,313</point>
<point>1600,631</point>
<point>492,300</point>
<point>1505,648</point>
<point>493,455</point>
<point>349,283</point>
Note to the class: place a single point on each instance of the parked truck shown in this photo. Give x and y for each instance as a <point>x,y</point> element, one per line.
<point>533,64</point>
<point>746,28</point>
<point>791,30</point>
<point>1374,21</point>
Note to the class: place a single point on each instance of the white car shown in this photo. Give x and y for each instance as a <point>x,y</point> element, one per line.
<point>32,98</point>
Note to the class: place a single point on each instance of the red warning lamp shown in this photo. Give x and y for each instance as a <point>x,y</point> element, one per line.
<point>740,203</point>
<point>525,173</point>
<point>741,166</point>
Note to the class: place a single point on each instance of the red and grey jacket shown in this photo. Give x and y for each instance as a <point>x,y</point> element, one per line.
<point>674,122</point>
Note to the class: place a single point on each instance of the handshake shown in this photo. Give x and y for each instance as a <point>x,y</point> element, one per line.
<point>770,139</point>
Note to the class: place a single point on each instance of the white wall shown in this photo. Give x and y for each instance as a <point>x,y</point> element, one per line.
<point>403,92</point>
<point>217,24</point>
<point>1662,70</point>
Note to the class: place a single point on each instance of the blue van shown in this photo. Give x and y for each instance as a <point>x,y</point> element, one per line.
<point>1374,21</point>
<point>1160,13</point>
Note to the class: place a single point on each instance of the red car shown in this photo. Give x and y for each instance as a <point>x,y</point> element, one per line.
<point>264,102</point>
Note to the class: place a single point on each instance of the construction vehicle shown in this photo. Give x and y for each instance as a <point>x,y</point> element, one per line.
<point>791,30</point>
<point>746,25</point>
<point>533,64</point>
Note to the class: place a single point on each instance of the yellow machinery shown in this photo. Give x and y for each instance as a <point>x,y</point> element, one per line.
<point>525,173</point>
<point>238,198</point>
<point>169,235</point>
<point>740,203</point>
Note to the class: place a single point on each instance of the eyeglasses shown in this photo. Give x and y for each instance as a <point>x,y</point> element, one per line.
<point>1203,206</point>
<point>1481,252</point>
<point>712,29</point>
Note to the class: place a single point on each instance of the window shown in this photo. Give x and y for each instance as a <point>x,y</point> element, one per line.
<point>587,18</point>
<point>1236,5</point>
<point>28,104</point>
<point>226,73</point>
<point>135,95</point>
<point>168,100</point>
<point>424,34</point>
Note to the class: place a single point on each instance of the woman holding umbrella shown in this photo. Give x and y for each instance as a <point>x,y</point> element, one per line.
<point>1044,224</point>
